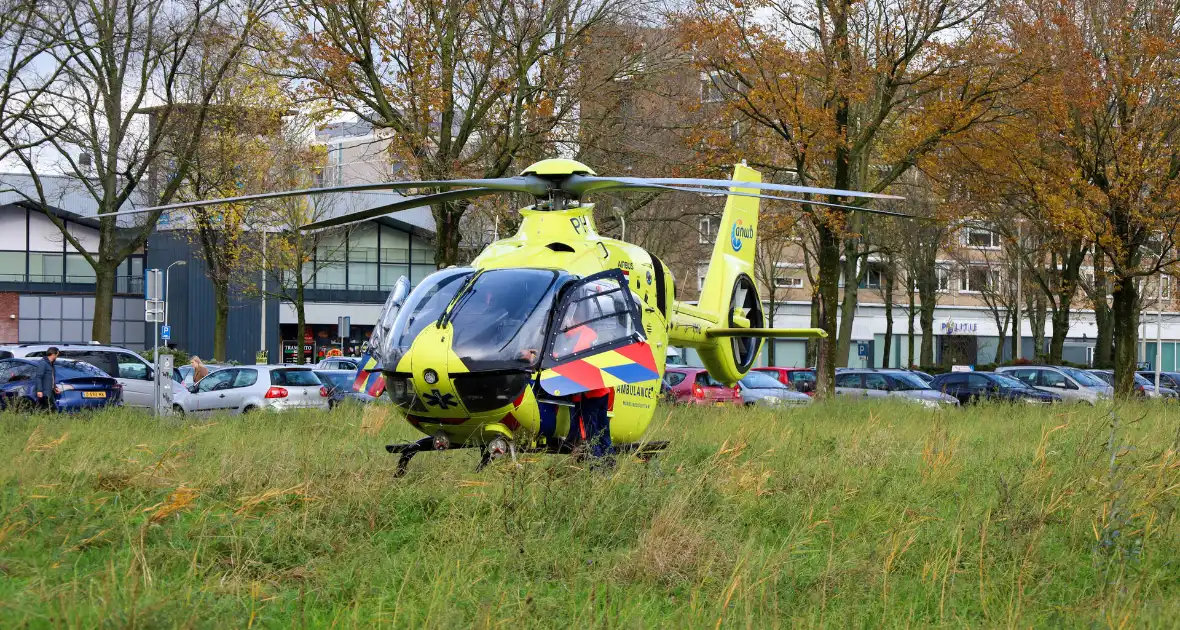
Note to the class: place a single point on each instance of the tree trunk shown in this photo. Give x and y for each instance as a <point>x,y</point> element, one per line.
<point>813,344</point>
<point>1104,342</point>
<point>927,321</point>
<point>910,288</point>
<point>220,321</point>
<point>447,235</point>
<point>104,302</point>
<point>1003,328</point>
<point>770,324</point>
<point>1125,310</point>
<point>300,323</point>
<point>1060,319</point>
<point>888,345</point>
<point>1036,321</point>
<point>848,302</point>
<point>829,275</point>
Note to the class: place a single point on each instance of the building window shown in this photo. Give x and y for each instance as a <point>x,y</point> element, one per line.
<point>362,276</point>
<point>979,278</point>
<point>12,266</point>
<point>942,274</point>
<point>46,267</point>
<point>708,227</point>
<point>78,270</point>
<point>874,277</point>
<point>711,87</point>
<point>982,238</point>
<point>702,271</point>
<point>788,280</point>
<point>391,273</point>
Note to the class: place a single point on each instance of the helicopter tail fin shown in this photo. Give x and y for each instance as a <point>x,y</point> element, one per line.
<point>733,251</point>
<point>729,302</point>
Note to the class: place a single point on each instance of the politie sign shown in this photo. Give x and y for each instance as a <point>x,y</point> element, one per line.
<point>951,327</point>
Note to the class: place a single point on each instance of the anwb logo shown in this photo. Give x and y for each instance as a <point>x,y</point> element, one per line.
<point>738,235</point>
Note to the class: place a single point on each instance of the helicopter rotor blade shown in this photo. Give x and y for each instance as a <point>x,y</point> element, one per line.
<point>582,184</point>
<point>738,193</point>
<point>405,204</point>
<point>529,184</point>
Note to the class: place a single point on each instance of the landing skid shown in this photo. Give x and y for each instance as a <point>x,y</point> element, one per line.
<point>500,447</point>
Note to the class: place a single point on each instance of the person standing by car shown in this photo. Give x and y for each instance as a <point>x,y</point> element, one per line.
<point>45,379</point>
<point>199,369</point>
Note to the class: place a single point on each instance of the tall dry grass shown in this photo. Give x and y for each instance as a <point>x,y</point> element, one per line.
<point>843,514</point>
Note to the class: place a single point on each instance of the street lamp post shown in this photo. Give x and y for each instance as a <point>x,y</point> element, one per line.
<point>168,287</point>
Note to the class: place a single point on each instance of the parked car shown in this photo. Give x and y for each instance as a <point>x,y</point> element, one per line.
<point>1170,380</point>
<point>186,371</point>
<point>797,378</point>
<point>132,371</point>
<point>969,387</point>
<point>255,388</point>
<point>339,384</point>
<point>883,383</point>
<point>694,386</point>
<point>761,388</point>
<point>922,375</point>
<point>339,363</point>
<point>82,385</point>
<point>1072,384</point>
<point>1143,386</point>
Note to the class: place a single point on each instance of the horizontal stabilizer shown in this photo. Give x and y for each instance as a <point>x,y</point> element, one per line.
<point>805,333</point>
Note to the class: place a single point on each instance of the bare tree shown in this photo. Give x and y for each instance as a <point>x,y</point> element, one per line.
<point>111,62</point>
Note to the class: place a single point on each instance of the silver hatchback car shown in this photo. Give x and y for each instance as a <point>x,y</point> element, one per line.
<point>254,388</point>
<point>871,383</point>
<point>1072,384</point>
<point>764,390</point>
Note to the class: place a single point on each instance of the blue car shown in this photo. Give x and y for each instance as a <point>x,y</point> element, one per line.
<point>82,385</point>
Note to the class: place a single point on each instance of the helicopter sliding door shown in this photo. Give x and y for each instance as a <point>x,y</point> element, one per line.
<point>596,339</point>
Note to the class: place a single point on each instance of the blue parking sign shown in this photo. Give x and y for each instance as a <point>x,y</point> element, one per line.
<point>862,349</point>
<point>165,332</point>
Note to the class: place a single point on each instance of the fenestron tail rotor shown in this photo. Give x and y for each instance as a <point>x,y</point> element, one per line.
<point>555,184</point>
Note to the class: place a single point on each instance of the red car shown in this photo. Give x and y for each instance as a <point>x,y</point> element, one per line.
<point>797,378</point>
<point>694,386</point>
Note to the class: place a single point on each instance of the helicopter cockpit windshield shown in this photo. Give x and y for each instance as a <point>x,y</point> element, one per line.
<point>501,319</point>
<point>423,306</point>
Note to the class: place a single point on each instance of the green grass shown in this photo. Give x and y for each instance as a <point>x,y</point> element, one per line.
<point>844,514</point>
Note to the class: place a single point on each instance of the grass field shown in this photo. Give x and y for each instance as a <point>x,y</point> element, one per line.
<point>844,514</point>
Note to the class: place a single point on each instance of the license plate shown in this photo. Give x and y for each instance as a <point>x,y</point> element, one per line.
<point>94,394</point>
<point>719,404</point>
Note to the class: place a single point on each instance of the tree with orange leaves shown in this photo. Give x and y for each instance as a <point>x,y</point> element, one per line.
<point>464,89</point>
<point>1109,110</point>
<point>850,94</point>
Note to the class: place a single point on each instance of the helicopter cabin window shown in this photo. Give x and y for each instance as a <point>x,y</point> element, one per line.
<point>595,315</point>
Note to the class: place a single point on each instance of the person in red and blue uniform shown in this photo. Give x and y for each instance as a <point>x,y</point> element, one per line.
<point>589,423</point>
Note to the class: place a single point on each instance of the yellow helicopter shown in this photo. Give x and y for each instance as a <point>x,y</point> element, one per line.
<point>475,356</point>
